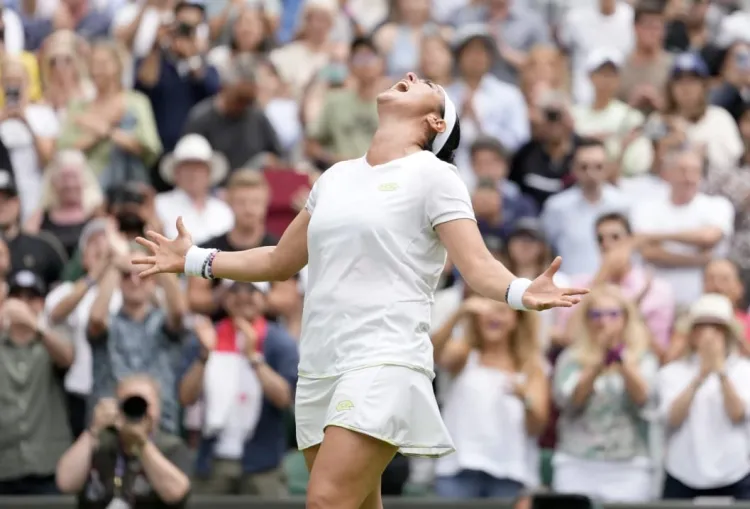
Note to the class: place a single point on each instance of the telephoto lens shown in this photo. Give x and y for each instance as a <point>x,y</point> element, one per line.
<point>134,408</point>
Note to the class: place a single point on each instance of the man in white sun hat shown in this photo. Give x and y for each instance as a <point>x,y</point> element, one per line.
<point>194,169</point>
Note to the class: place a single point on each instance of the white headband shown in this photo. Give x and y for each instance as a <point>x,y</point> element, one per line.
<point>449,116</point>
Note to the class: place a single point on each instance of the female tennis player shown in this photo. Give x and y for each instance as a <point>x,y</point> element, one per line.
<point>374,234</point>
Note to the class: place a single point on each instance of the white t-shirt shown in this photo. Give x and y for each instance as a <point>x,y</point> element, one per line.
<point>215,219</point>
<point>43,122</point>
<point>662,216</point>
<point>79,379</point>
<point>708,450</point>
<point>374,260</point>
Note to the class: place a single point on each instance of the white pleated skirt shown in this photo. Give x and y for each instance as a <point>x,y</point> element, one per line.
<point>394,404</point>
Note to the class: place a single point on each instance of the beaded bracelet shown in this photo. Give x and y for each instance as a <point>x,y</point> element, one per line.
<point>209,269</point>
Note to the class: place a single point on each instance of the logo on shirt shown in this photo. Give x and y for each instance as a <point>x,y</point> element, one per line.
<point>345,405</point>
<point>388,186</point>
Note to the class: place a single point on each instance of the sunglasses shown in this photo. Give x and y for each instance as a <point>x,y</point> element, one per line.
<point>592,166</point>
<point>60,60</point>
<point>602,314</point>
<point>601,238</point>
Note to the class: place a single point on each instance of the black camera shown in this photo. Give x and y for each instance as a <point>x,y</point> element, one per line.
<point>12,96</point>
<point>184,30</point>
<point>125,194</point>
<point>134,408</point>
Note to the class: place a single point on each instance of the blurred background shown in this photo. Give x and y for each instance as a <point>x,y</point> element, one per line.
<point>613,133</point>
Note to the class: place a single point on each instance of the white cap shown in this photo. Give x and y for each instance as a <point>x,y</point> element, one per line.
<point>601,56</point>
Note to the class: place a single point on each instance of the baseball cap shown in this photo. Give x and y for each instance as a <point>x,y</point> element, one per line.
<point>262,287</point>
<point>599,57</point>
<point>26,280</point>
<point>529,226</point>
<point>8,183</point>
<point>690,63</point>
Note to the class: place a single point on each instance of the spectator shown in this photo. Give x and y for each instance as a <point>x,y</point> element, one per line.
<point>64,72</point>
<point>545,68</point>
<point>246,370</point>
<point>35,429</point>
<point>40,253</point>
<point>602,384</point>
<point>610,120</point>
<point>80,16</point>
<point>485,104</point>
<point>735,78</point>
<point>722,276</point>
<point>514,27</point>
<point>224,14</point>
<point>175,77</point>
<point>349,116</point>
<point>498,403</point>
<point>67,309</point>
<point>703,124</point>
<point>284,303</point>
<point>247,196</point>
<point>10,24</point>
<point>140,338</point>
<point>194,169</point>
<point>569,216</point>
<point>28,130</point>
<point>232,122</point>
<point>607,24</point>
<point>400,38</point>
<point>116,129</point>
<point>651,295</point>
<point>299,61</point>
<point>703,401</point>
<point>248,36</point>
<point>282,110</point>
<point>692,31</point>
<point>646,69</point>
<point>542,167</point>
<point>683,231</point>
<point>124,456</point>
<point>489,162</point>
<point>436,60</point>
<point>70,197</point>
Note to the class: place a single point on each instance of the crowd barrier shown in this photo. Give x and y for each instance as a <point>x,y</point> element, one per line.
<point>392,503</point>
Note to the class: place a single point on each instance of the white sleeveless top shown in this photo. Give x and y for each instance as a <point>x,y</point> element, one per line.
<point>488,426</point>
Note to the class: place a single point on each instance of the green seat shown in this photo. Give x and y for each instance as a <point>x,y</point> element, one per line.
<point>296,473</point>
<point>546,470</point>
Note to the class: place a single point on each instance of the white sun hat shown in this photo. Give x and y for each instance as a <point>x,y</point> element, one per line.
<point>194,147</point>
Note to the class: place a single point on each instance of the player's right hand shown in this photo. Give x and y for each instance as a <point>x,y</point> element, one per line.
<point>167,256</point>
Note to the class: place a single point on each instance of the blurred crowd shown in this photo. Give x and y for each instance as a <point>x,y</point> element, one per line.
<point>615,133</point>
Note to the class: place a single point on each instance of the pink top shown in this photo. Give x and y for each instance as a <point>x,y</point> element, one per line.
<point>657,306</point>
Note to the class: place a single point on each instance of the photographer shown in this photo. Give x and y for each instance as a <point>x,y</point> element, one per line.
<point>123,460</point>
<point>175,75</point>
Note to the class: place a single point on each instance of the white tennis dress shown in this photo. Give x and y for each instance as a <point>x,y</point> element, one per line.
<point>366,361</point>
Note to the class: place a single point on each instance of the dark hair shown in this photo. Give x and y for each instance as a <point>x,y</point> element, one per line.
<point>614,216</point>
<point>363,43</point>
<point>648,8</point>
<point>584,143</point>
<point>490,144</point>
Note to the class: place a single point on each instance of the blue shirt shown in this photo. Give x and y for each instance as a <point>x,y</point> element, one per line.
<point>95,24</point>
<point>266,449</point>
<point>173,96</point>
<point>515,206</point>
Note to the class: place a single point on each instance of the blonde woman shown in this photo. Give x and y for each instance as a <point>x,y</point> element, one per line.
<point>70,197</point>
<point>64,71</point>
<point>498,403</point>
<point>602,384</point>
<point>704,400</point>
<point>116,130</point>
<point>28,130</point>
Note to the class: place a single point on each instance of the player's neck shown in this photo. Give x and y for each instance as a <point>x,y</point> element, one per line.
<point>385,147</point>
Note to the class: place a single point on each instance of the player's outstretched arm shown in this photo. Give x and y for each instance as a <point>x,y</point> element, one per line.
<point>276,263</point>
<point>490,278</point>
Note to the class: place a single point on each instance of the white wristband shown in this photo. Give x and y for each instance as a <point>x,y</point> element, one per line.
<point>515,293</point>
<point>195,260</point>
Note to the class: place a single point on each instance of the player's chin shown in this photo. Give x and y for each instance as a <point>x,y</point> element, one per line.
<point>389,95</point>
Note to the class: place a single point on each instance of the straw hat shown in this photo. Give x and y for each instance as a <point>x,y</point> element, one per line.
<point>713,308</point>
<point>194,147</point>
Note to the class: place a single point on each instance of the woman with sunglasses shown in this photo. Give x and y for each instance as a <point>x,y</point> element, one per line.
<point>602,385</point>
<point>375,233</point>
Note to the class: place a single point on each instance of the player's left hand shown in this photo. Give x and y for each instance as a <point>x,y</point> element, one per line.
<point>543,294</point>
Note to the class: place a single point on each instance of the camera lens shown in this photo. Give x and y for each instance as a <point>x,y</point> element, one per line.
<point>134,408</point>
